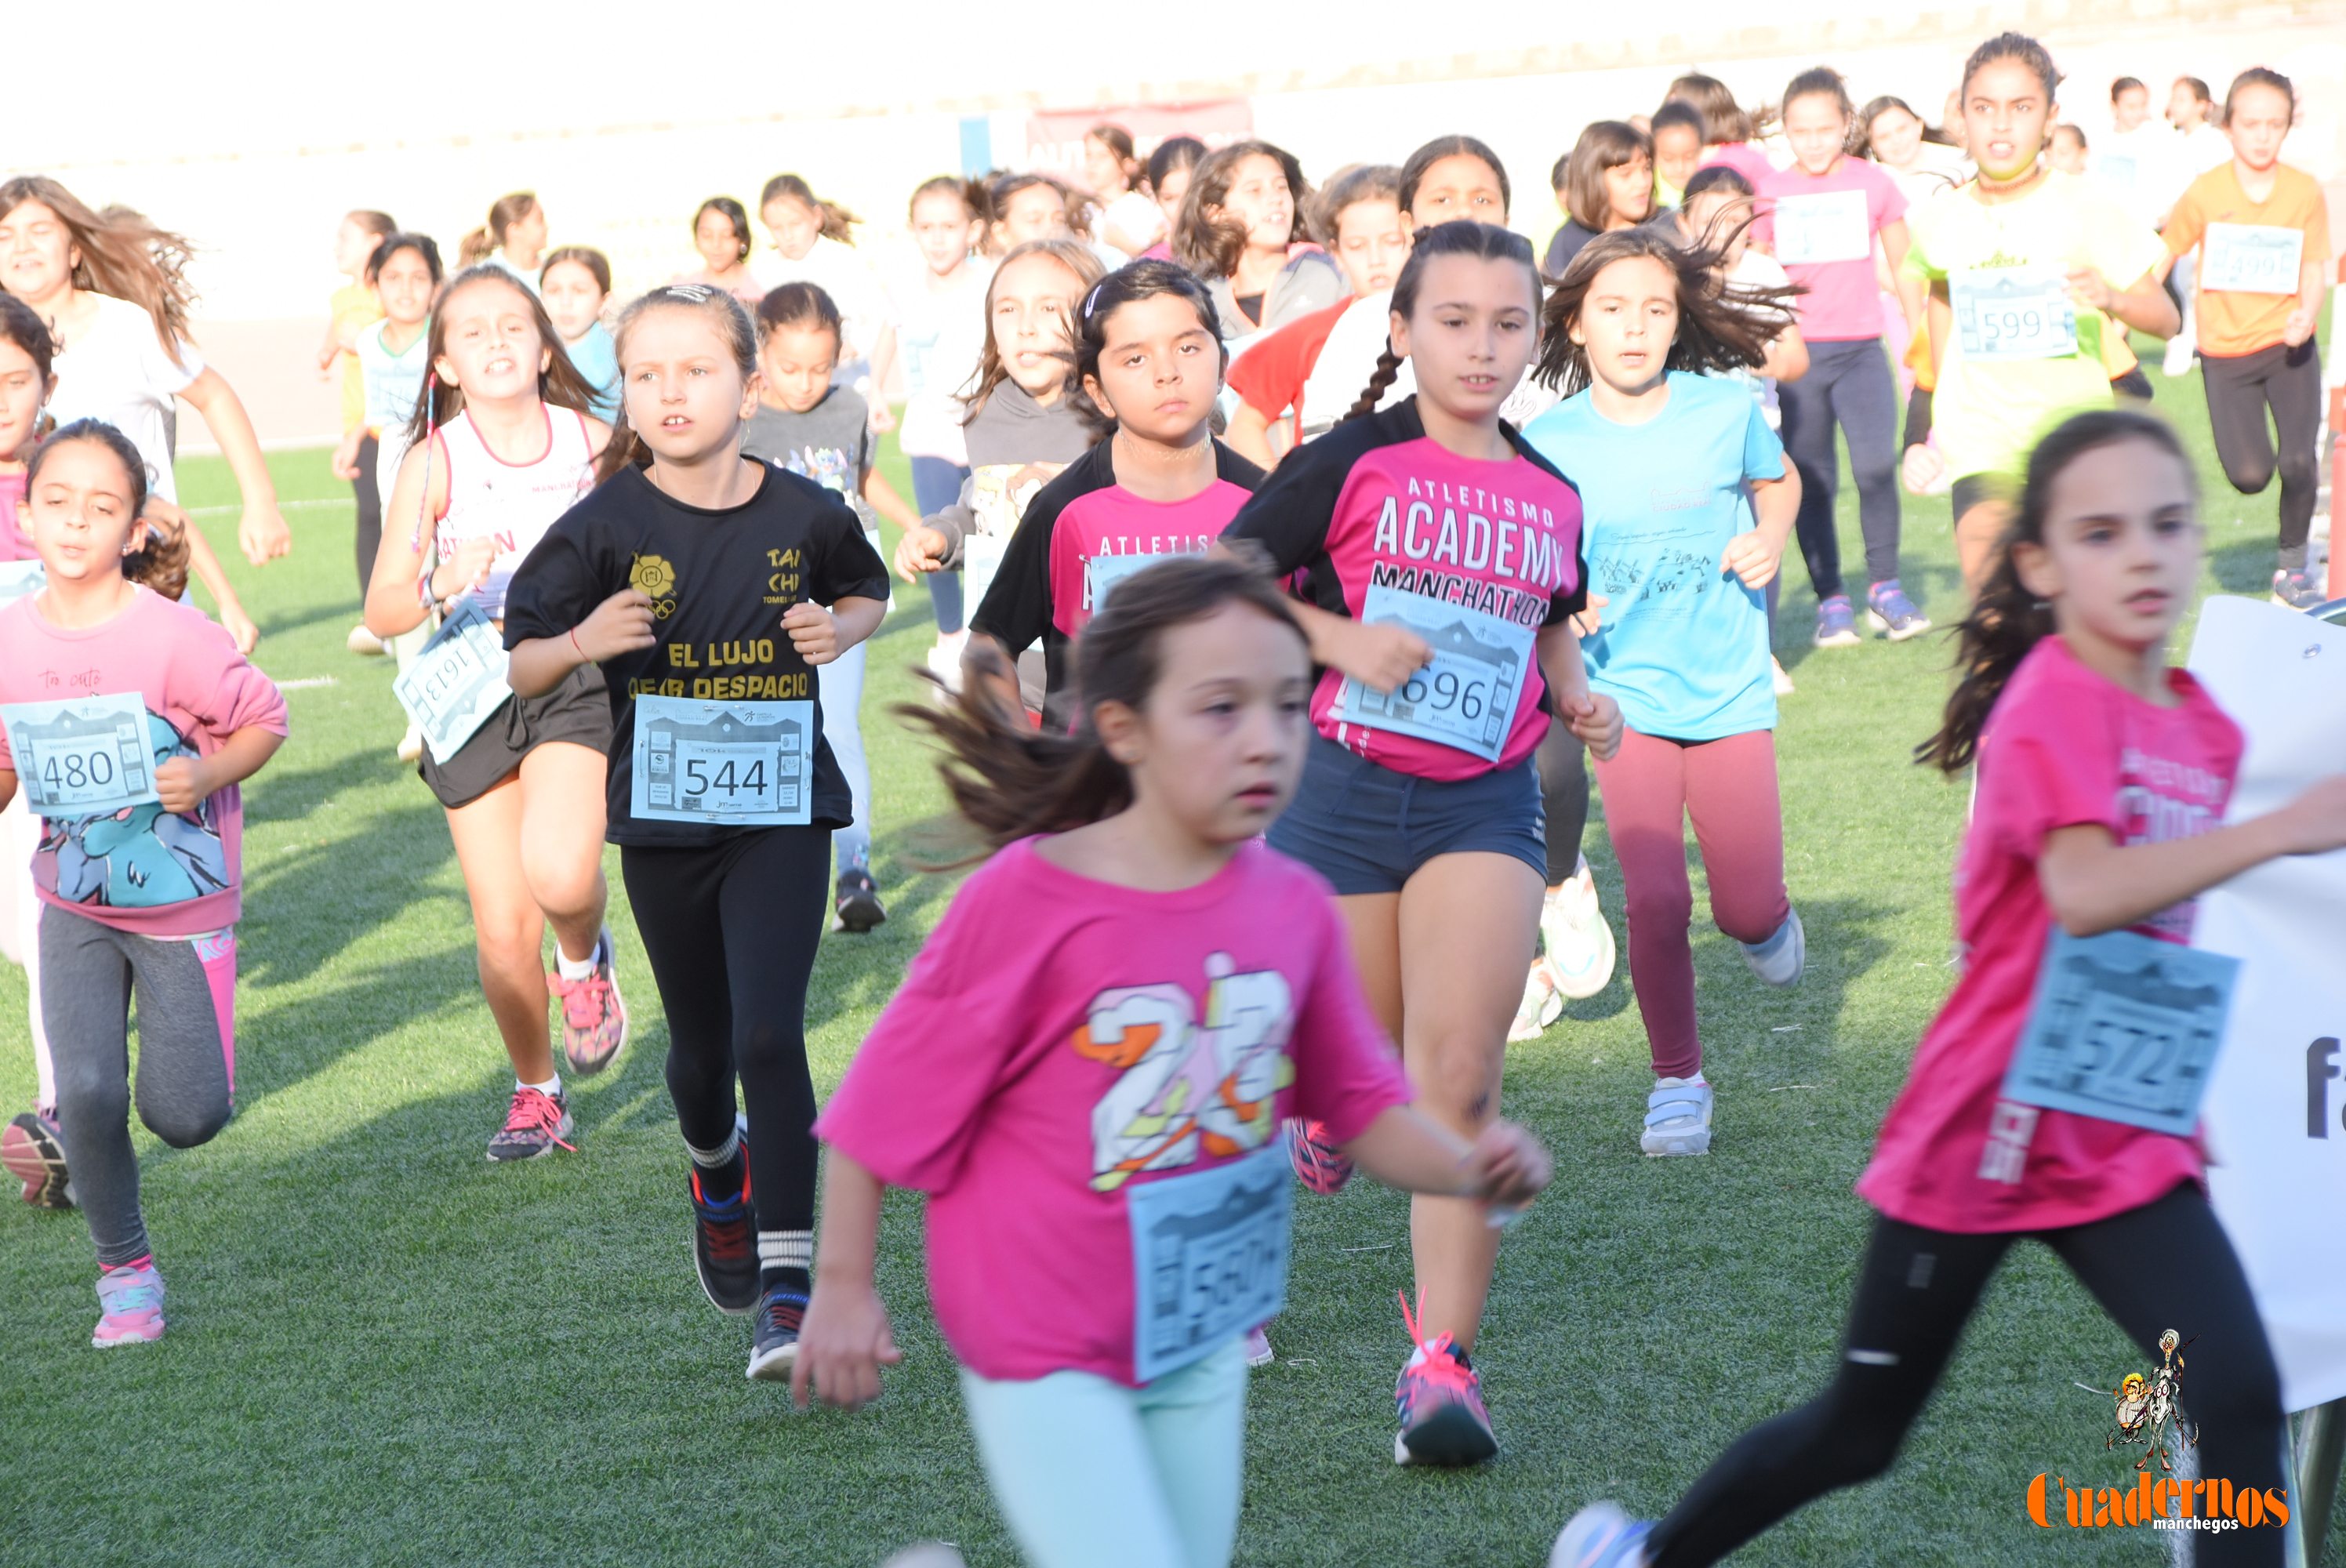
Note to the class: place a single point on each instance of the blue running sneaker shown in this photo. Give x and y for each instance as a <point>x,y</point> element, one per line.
<point>1836,624</point>
<point>725,1246</point>
<point>1601,1536</point>
<point>781,1312</point>
<point>1892,614</point>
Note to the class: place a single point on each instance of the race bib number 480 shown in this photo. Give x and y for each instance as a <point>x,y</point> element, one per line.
<point>734,764</point>
<point>82,756</point>
<point>2014,314</point>
<point>2126,1028</point>
<point>1466,695</point>
<point>2252,259</point>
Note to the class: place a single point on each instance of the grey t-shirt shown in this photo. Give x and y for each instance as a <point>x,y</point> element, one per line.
<point>830,443</point>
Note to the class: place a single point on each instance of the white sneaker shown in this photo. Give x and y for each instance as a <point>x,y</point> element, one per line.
<point>365,643</point>
<point>411,744</point>
<point>1601,1536</point>
<point>927,1554</point>
<point>1678,1119</point>
<point>2179,357</point>
<point>1782,678</point>
<point>944,663</point>
<point>1580,949</point>
<point>1541,1006</point>
<point>1779,961</point>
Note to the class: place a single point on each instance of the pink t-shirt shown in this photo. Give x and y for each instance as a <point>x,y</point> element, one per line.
<point>1743,158</point>
<point>1061,1040</point>
<point>142,869</point>
<point>1834,219</point>
<point>2064,747</point>
<point>16,543</point>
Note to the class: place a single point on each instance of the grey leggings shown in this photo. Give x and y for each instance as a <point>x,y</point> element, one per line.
<point>89,972</point>
<point>2241,388</point>
<point>1848,387</point>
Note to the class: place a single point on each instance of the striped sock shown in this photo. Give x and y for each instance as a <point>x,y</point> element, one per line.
<point>723,1171</point>
<point>784,1259</point>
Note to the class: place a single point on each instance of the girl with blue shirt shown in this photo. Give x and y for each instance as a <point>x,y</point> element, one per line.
<point>575,283</point>
<point>1689,504</point>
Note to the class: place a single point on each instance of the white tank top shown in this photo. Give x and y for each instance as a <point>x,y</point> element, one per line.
<point>514,504</point>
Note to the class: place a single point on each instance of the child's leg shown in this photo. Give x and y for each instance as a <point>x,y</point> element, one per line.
<point>369,494</point>
<point>1980,517</point>
<point>562,815</point>
<point>1807,405</point>
<point>183,1059</point>
<point>1644,787</point>
<point>2294,393</point>
<point>1865,403</point>
<point>1564,798</point>
<point>508,929</point>
<point>842,704</point>
<point>1915,1290</point>
<point>20,840</point>
<point>1731,797</point>
<point>89,1008</point>
<point>1195,1422</point>
<point>2234,387</point>
<point>684,938</point>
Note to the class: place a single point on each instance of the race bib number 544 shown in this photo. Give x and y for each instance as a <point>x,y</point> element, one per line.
<point>735,764</point>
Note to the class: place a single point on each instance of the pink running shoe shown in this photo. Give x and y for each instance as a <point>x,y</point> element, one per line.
<point>1318,1163</point>
<point>1442,1420</point>
<point>536,1124</point>
<point>131,1298</point>
<point>594,1018</point>
<point>32,1150</point>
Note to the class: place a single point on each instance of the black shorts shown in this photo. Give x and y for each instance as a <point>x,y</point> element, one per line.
<point>578,710</point>
<point>1367,828</point>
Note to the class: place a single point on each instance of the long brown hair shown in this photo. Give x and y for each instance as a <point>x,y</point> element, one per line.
<point>1604,146</point>
<point>504,213</point>
<point>123,255</point>
<point>161,561</point>
<point>1212,243</point>
<point>1459,236</point>
<point>1721,326</point>
<point>2007,621</point>
<point>837,222</point>
<point>721,310</point>
<point>1010,781</point>
<point>991,371</point>
<point>559,383</point>
<point>22,325</point>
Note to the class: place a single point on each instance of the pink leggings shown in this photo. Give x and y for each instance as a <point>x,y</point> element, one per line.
<point>1728,787</point>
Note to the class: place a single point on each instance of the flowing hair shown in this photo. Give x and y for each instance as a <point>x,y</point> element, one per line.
<point>1010,781</point>
<point>725,315</point>
<point>123,255</point>
<point>2007,620</point>
<point>837,222</point>
<point>1459,236</point>
<point>1210,243</point>
<point>161,561</point>
<point>991,371</point>
<point>1721,326</point>
<point>559,383</point>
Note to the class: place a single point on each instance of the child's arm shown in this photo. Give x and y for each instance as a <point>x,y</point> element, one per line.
<point>2094,885</point>
<point>1595,718</point>
<point>620,623</point>
<point>1376,654</point>
<point>2144,306</point>
<point>820,635</point>
<point>184,783</point>
<point>261,531</point>
<point>887,502</point>
<point>845,1339</point>
<point>1249,436</point>
<point>392,605</point>
<point>1754,555</point>
<point>1407,1149</point>
<point>205,567</point>
<point>1894,241</point>
<point>331,349</point>
<point>1788,356</point>
<point>2311,286</point>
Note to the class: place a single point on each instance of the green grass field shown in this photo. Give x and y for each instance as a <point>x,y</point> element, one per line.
<point>385,1350</point>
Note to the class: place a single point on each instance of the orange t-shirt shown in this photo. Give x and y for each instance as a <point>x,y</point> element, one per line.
<point>2235,320</point>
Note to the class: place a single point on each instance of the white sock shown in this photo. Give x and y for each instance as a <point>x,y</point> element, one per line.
<point>719,1157</point>
<point>571,968</point>
<point>550,1087</point>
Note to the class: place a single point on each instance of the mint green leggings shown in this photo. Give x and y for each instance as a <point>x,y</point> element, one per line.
<point>1088,1471</point>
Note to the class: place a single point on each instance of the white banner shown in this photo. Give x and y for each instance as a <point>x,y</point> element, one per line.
<point>2276,1110</point>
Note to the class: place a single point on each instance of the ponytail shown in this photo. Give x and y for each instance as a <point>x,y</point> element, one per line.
<point>1380,381</point>
<point>473,249</point>
<point>1459,236</point>
<point>162,562</point>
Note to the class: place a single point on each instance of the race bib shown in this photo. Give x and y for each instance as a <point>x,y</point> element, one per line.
<point>1466,695</point>
<point>1102,573</point>
<point>1833,226</point>
<point>2252,259</point>
<point>2014,314</point>
<point>981,559</point>
<point>2126,1028</point>
<point>20,578</point>
<point>457,681</point>
<point>83,756</point>
<point>1208,1257</point>
<point>736,764</point>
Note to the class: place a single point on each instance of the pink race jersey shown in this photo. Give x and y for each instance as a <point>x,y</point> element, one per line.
<point>1063,1042</point>
<point>1822,229</point>
<point>2064,747</point>
<point>141,868</point>
<point>1376,509</point>
<point>15,542</point>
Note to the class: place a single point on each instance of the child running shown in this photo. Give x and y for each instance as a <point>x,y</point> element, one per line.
<point>822,431</point>
<point>575,283</point>
<point>720,233</point>
<point>500,447</point>
<point>1444,561</point>
<point>1087,1072</point>
<point>944,332</point>
<point>134,779</point>
<point>1605,182</point>
<point>2103,777</point>
<point>1687,502</point>
<point>351,310</point>
<point>1149,360</point>
<point>696,578</point>
<point>512,240</point>
<point>2260,231</point>
<point>1242,230</point>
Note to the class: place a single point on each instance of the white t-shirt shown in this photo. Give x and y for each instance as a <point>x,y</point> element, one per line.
<point>1758,270</point>
<point>119,371</point>
<point>940,338</point>
<point>498,260</point>
<point>2139,167</point>
<point>1938,169</point>
<point>1135,216</point>
<point>842,272</point>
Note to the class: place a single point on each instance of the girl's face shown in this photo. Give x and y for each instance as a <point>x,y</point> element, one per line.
<point>2258,125</point>
<point>353,246</point>
<point>1103,170</point>
<point>1459,185</point>
<point>1471,333</point>
<point>1171,190</point>
<point>1710,218</point>
<point>1035,212</point>
<point>796,363</point>
<point>684,391</point>
<point>80,513</point>
<point>795,225</point>
<point>1818,127</point>
<point>525,235</point>
<point>2121,548</point>
<point>490,349</point>
<point>718,242</point>
<point>573,299</point>
<point>405,286</point>
<point>1677,153</point>
<point>1372,242</point>
<point>2065,152</point>
<point>1035,298</point>
<point>36,252</point>
<point>1220,747</point>
<point>2184,110</point>
<point>1896,137</point>
<point>1628,321</point>
<point>2130,109</point>
<point>21,393</point>
<point>944,230</point>
<point>1629,191</point>
<point>2006,112</point>
<point>1259,198</point>
<point>1159,370</point>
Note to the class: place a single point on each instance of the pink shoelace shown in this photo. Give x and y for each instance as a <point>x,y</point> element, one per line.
<point>1441,1366</point>
<point>533,1110</point>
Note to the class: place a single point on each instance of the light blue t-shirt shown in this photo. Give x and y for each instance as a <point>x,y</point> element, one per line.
<point>597,358</point>
<point>393,381</point>
<point>1684,643</point>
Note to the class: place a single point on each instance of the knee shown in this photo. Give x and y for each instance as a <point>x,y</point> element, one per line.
<point>185,1124</point>
<point>1658,906</point>
<point>2299,470</point>
<point>2249,475</point>
<point>507,946</point>
<point>87,1099</point>
<point>1456,1073</point>
<point>565,883</point>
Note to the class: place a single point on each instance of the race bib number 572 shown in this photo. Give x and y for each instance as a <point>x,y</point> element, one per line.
<point>2126,1028</point>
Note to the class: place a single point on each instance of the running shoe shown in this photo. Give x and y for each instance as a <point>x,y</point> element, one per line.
<point>1580,951</point>
<point>855,902</point>
<point>1782,959</point>
<point>1440,1399</point>
<point>2176,361</point>
<point>1678,1119</point>
<point>1258,1349</point>
<point>33,1148</point>
<point>2295,591</point>
<point>131,1305</point>
<point>1541,1006</point>
<point>536,1123</point>
<point>1836,624</point>
<point>594,1017</point>
<point>1318,1163</point>
<point>1601,1536</point>
<point>725,1246</point>
<point>365,643</point>
<point>1781,677</point>
<point>781,1311</point>
<point>927,1554</point>
<point>1890,612</point>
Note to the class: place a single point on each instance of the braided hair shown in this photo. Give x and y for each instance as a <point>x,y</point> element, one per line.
<point>1460,237</point>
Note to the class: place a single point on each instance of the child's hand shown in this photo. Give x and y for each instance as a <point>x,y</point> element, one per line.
<point>842,1344</point>
<point>1922,469</point>
<point>466,570</point>
<point>2299,326</point>
<point>2088,286</point>
<point>2315,822</point>
<point>1596,720</point>
<point>1590,621</point>
<point>1753,557</point>
<point>813,632</point>
<point>182,784</point>
<point>1508,1167</point>
<point>620,623</point>
<point>917,551</point>
<point>346,455</point>
<point>262,533</point>
<point>883,418</point>
<point>238,627</point>
<point>1381,654</point>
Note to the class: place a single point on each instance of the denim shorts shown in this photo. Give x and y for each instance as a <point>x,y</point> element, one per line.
<point>1367,828</point>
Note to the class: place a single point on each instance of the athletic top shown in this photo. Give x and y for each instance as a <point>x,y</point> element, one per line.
<point>143,870</point>
<point>1378,503</point>
<point>2063,747</point>
<point>595,357</point>
<point>16,540</point>
<point>1009,437</point>
<point>2235,320</point>
<point>830,443</point>
<point>120,371</point>
<point>1062,1043</point>
<point>395,382</point>
<point>1823,228</point>
<point>513,503</point>
<point>719,582</point>
<point>1744,157</point>
<point>1310,280</point>
<point>353,306</point>
<point>939,341</point>
<point>1044,590</point>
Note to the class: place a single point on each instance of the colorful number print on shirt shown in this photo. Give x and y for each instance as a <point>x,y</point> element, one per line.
<point>141,857</point>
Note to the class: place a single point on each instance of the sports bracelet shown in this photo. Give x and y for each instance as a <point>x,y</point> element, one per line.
<point>580,651</point>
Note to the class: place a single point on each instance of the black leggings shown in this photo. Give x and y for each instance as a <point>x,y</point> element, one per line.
<point>2241,388</point>
<point>2167,1265</point>
<point>732,930</point>
<point>1563,763</point>
<point>370,499</point>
